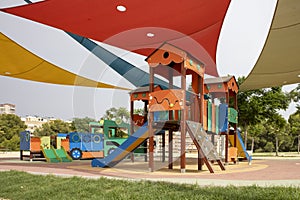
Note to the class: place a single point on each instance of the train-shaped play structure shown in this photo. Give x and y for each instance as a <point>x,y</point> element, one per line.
<point>103,138</point>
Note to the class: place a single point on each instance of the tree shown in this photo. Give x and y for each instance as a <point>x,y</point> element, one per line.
<point>117,114</point>
<point>295,93</point>
<point>277,128</point>
<point>295,96</point>
<point>269,147</point>
<point>139,111</point>
<point>123,114</point>
<point>255,106</point>
<point>110,114</point>
<point>249,111</point>
<point>257,131</point>
<point>10,128</point>
<point>294,121</point>
<point>81,124</point>
<point>53,128</point>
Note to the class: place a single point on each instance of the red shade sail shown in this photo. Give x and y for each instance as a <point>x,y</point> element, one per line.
<point>141,27</point>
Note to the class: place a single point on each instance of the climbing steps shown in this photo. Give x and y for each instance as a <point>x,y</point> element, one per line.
<point>205,147</point>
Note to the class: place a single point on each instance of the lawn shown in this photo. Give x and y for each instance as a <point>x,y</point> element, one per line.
<point>22,185</point>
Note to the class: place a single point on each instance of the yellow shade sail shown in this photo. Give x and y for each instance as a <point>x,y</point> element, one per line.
<point>279,62</point>
<point>17,62</point>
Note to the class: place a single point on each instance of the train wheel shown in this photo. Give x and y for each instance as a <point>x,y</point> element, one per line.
<point>76,154</point>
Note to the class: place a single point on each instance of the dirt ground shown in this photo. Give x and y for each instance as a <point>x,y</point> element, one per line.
<point>282,170</point>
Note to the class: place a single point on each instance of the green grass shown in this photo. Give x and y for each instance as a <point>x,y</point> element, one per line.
<point>21,185</point>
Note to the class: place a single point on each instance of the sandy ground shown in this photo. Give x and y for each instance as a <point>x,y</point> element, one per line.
<point>263,171</point>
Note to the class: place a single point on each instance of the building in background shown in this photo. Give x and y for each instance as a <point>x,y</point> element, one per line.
<point>34,122</point>
<point>7,108</point>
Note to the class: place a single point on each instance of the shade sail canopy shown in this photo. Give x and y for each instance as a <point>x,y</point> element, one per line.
<point>133,74</point>
<point>17,62</point>
<point>279,62</point>
<point>141,26</point>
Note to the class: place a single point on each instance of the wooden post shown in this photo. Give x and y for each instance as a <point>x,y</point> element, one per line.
<point>145,120</point>
<point>213,118</point>
<point>200,160</point>
<point>196,82</point>
<point>30,156</point>
<point>151,143</point>
<point>131,126</point>
<point>151,135</point>
<point>170,149</point>
<point>171,117</point>
<point>201,102</point>
<point>226,149</point>
<point>226,136</point>
<point>21,154</point>
<point>235,125</point>
<point>201,110</point>
<point>197,108</point>
<point>183,120</point>
<point>170,141</point>
<point>163,147</point>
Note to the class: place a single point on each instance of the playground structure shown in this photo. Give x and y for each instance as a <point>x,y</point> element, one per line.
<point>104,137</point>
<point>169,62</point>
<point>173,109</point>
<point>41,148</point>
<point>232,136</point>
<point>202,110</point>
<point>57,148</point>
<point>82,145</point>
<point>223,91</point>
<point>114,134</point>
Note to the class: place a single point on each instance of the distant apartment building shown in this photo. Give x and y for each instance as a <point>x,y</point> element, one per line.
<point>7,108</point>
<point>34,122</point>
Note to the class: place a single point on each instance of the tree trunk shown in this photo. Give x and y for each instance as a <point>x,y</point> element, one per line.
<point>252,145</point>
<point>298,144</point>
<point>245,136</point>
<point>276,147</point>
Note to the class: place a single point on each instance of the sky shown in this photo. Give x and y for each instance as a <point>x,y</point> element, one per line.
<point>241,40</point>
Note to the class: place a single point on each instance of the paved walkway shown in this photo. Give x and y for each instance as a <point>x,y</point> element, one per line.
<point>263,171</point>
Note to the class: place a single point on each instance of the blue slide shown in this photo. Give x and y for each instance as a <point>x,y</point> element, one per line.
<point>242,152</point>
<point>133,142</point>
<point>246,155</point>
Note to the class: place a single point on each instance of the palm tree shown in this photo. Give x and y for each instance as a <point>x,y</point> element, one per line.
<point>123,114</point>
<point>117,114</point>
